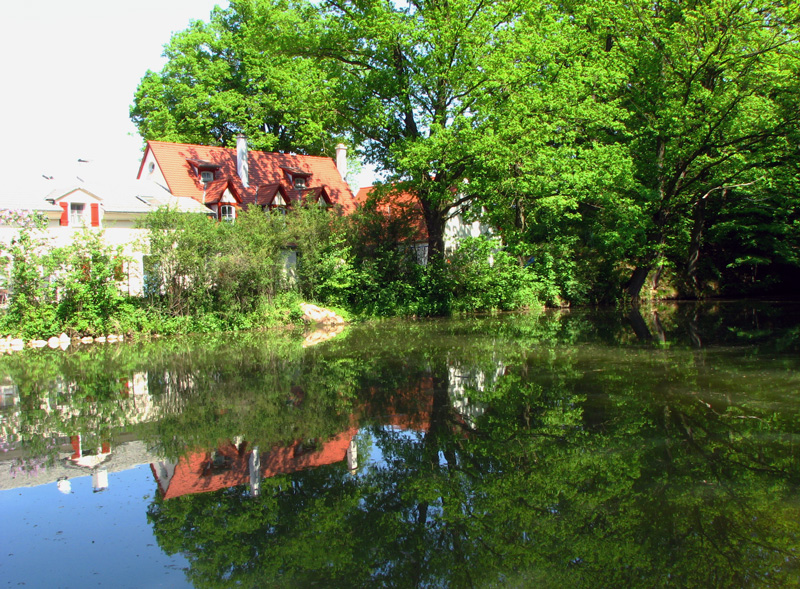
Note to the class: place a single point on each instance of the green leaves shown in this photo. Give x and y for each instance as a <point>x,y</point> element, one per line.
<point>615,133</point>
<point>89,284</point>
<point>235,74</point>
<point>74,288</point>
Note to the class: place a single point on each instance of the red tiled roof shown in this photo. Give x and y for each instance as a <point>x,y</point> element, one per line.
<point>296,171</point>
<point>203,164</point>
<point>216,189</point>
<point>397,203</point>
<point>264,169</point>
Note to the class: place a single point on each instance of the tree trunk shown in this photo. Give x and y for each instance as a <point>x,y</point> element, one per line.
<point>636,282</point>
<point>639,325</point>
<point>660,334</point>
<point>695,243</point>
<point>434,223</point>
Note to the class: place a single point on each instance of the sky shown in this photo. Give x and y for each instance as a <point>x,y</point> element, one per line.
<point>69,71</point>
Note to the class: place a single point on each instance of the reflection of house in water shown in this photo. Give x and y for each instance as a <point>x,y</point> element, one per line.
<point>407,408</point>
<point>232,465</point>
<point>133,405</point>
<point>86,453</point>
<point>91,458</point>
<point>127,453</point>
<point>463,379</point>
<point>9,393</point>
<point>9,399</point>
<point>410,407</point>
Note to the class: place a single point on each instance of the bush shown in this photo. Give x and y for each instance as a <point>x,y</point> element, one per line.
<point>89,280</point>
<point>485,277</point>
<point>179,271</point>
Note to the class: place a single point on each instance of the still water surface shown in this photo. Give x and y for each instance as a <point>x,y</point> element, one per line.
<point>596,449</point>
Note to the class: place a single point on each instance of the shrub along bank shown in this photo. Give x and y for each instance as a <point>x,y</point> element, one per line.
<point>204,276</point>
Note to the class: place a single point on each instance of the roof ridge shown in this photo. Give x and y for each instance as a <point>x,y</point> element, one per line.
<point>251,151</point>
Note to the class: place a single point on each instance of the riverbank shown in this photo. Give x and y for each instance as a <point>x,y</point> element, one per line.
<point>306,314</point>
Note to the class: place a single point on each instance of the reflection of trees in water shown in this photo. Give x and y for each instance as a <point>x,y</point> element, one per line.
<point>513,450</point>
<point>634,473</point>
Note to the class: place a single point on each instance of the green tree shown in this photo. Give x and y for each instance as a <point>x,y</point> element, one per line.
<point>89,283</point>
<point>604,138</point>
<point>553,161</point>
<point>252,266</point>
<point>30,262</point>
<point>752,240</point>
<point>232,75</point>
<point>179,266</point>
<point>712,92</point>
<point>411,75</point>
<point>325,269</point>
<point>623,121</point>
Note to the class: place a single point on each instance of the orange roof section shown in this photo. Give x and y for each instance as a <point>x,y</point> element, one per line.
<point>264,169</point>
<point>216,190</point>
<point>398,203</point>
<point>193,473</point>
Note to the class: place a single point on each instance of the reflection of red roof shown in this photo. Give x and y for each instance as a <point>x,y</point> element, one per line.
<point>397,204</point>
<point>293,458</point>
<point>407,408</point>
<point>176,162</point>
<point>195,473</point>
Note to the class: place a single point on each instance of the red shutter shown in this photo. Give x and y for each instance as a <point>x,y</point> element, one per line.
<point>64,213</point>
<point>95,215</point>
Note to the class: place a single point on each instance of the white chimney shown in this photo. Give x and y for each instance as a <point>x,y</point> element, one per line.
<point>341,159</point>
<point>242,166</point>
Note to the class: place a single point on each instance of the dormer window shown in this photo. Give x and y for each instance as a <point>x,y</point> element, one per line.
<point>297,177</point>
<point>279,205</point>
<point>206,176</point>
<point>79,214</point>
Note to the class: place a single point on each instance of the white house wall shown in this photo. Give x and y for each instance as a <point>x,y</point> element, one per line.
<point>156,175</point>
<point>457,229</point>
<point>119,231</point>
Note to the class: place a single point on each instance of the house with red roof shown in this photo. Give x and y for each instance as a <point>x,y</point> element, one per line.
<point>394,203</point>
<point>217,181</point>
<point>227,180</point>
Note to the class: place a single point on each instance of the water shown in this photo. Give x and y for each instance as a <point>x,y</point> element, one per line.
<point>595,449</point>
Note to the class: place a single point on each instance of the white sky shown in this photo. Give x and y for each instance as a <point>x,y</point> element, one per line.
<point>69,72</point>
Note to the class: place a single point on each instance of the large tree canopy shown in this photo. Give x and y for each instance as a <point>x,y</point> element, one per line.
<point>411,78</point>
<point>605,139</point>
<point>633,118</point>
<point>712,91</point>
<point>235,75</point>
